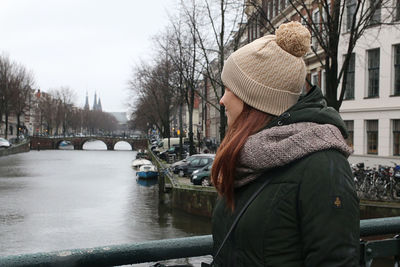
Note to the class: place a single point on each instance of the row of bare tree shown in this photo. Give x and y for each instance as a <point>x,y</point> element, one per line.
<point>187,54</point>
<point>192,50</point>
<point>58,115</point>
<point>53,111</point>
<point>16,84</point>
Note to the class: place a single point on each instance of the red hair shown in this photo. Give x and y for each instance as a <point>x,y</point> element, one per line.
<point>249,122</point>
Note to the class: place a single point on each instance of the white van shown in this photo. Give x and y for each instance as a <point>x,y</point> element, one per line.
<point>175,141</point>
<point>172,141</point>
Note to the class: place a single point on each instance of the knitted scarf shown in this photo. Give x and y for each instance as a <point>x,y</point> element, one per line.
<point>279,146</point>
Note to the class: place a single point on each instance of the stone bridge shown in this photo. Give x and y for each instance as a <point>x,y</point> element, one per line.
<point>40,142</point>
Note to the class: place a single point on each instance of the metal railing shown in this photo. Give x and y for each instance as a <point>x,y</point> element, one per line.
<point>116,255</point>
<point>163,169</point>
<point>159,250</point>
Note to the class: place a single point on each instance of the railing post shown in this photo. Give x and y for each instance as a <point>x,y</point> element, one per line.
<point>397,257</point>
<point>365,254</point>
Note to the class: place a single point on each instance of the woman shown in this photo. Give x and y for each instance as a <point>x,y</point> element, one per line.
<point>308,213</point>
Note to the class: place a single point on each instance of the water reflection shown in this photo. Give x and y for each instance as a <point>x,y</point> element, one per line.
<point>10,219</point>
<point>146,182</point>
<point>12,166</point>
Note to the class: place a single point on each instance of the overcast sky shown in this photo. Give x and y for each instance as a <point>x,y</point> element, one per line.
<point>87,45</point>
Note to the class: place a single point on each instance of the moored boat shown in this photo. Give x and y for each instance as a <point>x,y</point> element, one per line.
<point>147,171</point>
<point>137,163</point>
<point>65,143</point>
<point>142,154</point>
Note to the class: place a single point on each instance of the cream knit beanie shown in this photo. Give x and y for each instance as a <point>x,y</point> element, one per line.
<point>269,73</point>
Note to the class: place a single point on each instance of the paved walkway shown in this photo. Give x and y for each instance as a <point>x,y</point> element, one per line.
<point>184,180</point>
<point>373,161</point>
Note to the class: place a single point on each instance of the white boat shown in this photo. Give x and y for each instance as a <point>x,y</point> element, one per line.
<point>147,172</point>
<point>139,162</point>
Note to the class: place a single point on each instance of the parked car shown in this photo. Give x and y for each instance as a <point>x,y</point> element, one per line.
<point>197,163</point>
<point>175,166</point>
<point>4,143</point>
<point>155,145</point>
<point>202,176</point>
<point>174,150</point>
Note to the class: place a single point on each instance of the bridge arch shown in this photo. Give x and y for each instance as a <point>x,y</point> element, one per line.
<point>58,143</point>
<point>40,142</point>
<point>88,140</point>
<point>118,143</point>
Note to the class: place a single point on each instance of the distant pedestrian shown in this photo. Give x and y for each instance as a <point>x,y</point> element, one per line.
<point>307,214</point>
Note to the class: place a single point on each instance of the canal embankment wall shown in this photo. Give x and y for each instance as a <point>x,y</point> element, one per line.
<point>15,149</point>
<point>379,209</point>
<point>192,199</point>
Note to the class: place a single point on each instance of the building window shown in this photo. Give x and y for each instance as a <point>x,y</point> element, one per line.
<point>372,137</point>
<point>351,9</point>
<point>350,83</point>
<point>271,9</point>
<point>249,32</point>
<point>315,79</point>
<point>282,3</point>
<point>350,130</point>
<point>396,137</point>
<point>304,21</point>
<point>326,11</point>
<point>397,11</point>
<point>375,7</point>
<point>277,7</point>
<point>323,82</point>
<point>254,28</point>
<point>265,9</point>
<point>396,51</point>
<point>317,26</point>
<point>373,73</point>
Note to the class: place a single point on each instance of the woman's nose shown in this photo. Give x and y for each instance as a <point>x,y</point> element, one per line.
<point>221,102</point>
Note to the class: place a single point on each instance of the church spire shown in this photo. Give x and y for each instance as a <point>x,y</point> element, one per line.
<point>95,101</point>
<point>87,102</point>
<point>99,105</point>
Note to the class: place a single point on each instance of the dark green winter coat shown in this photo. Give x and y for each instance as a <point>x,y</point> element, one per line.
<point>308,215</point>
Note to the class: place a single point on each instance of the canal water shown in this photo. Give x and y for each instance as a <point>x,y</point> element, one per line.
<point>62,199</point>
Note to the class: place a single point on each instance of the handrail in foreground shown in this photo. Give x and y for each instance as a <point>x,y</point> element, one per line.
<point>158,250</point>
<point>116,255</point>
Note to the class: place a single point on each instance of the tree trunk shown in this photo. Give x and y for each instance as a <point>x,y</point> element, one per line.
<point>6,132</point>
<point>180,127</point>
<point>191,107</point>
<point>1,116</point>
<point>18,125</point>
<point>222,118</point>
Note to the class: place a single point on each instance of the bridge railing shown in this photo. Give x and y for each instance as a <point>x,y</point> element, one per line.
<point>159,250</point>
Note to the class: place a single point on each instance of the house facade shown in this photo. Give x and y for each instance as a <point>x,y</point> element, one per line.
<point>371,106</point>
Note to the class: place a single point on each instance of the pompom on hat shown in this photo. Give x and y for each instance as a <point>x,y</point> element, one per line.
<point>269,73</point>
